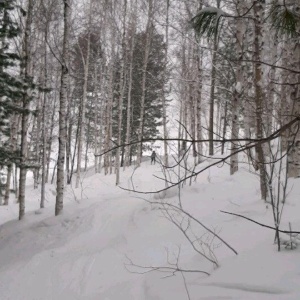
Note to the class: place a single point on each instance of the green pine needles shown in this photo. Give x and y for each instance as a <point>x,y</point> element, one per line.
<point>11,86</point>
<point>284,20</point>
<point>207,22</point>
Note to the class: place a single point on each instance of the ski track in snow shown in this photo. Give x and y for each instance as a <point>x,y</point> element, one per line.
<point>250,288</point>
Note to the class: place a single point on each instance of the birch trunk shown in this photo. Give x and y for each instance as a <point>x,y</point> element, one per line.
<point>63,98</point>
<point>259,95</point>
<point>25,73</point>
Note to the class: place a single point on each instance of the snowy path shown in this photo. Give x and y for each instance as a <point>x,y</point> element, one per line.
<point>82,254</point>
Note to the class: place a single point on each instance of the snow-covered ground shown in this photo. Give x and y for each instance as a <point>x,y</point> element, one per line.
<point>94,249</point>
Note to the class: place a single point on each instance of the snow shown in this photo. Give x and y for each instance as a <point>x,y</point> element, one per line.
<point>214,10</point>
<point>239,87</point>
<point>92,250</point>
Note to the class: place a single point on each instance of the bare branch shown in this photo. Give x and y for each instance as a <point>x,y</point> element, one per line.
<point>258,223</point>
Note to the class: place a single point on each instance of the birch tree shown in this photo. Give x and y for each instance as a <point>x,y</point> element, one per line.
<point>63,98</point>
<point>258,9</point>
<point>25,74</point>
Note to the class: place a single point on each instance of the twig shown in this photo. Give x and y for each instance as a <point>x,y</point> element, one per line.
<point>196,220</point>
<point>163,269</point>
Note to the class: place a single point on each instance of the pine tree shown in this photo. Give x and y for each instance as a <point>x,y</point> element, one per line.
<point>154,84</point>
<point>11,86</point>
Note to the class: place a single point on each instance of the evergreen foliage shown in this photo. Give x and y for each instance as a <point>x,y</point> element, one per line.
<point>154,85</point>
<point>11,86</point>
<point>285,20</point>
<point>207,21</point>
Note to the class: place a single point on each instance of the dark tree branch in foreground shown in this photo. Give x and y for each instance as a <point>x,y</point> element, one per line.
<point>251,144</point>
<point>263,225</point>
<point>194,219</point>
<point>271,137</point>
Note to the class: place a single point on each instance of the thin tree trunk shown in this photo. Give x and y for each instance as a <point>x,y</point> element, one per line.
<point>50,138</point>
<point>44,158</point>
<point>165,131</point>
<point>224,127</point>
<point>87,145</point>
<point>199,103</point>
<point>36,171</point>
<point>212,92</point>
<point>122,90</point>
<point>25,106</point>
<point>258,10</point>
<point>7,185</point>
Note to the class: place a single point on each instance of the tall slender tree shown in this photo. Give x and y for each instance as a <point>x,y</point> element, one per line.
<point>63,98</point>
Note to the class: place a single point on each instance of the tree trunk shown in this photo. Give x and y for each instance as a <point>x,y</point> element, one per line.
<point>121,96</point>
<point>165,131</point>
<point>63,98</point>
<point>212,92</point>
<point>199,103</point>
<point>44,134</point>
<point>25,73</point>
<point>259,95</point>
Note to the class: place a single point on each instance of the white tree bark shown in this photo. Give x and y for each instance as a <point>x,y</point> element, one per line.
<point>259,94</point>
<point>63,98</point>
<point>25,73</point>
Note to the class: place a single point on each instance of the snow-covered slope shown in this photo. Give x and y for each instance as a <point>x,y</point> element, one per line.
<point>94,249</point>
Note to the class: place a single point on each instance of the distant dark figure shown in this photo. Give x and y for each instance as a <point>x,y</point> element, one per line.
<point>153,156</point>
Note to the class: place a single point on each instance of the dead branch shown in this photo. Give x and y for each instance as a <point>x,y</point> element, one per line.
<point>196,220</point>
<point>258,223</point>
<point>171,269</point>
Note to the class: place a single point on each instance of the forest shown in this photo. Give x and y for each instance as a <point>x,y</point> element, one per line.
<point>92,88</point>
<point>91,83</point>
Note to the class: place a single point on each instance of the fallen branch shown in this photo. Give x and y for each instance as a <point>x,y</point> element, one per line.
<point>163,269</point>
